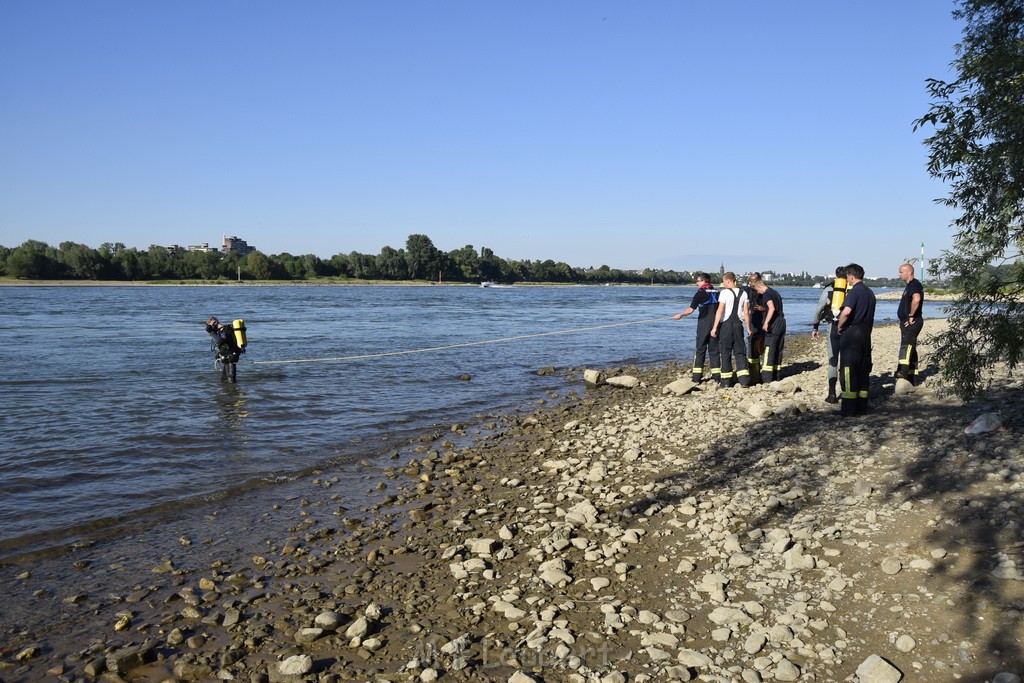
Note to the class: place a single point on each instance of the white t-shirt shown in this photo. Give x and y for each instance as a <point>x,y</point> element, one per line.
<point>732,298</point>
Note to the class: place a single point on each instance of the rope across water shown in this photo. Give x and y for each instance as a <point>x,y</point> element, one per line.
<point>459,346</point>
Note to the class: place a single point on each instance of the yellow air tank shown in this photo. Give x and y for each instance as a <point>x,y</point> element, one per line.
<point>238,328</point>
<point>838,295</point>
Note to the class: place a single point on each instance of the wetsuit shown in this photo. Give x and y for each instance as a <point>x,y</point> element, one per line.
<point>907,368</point>
<point>705,302</point>
<point>774,338</point>
<point>824,314</point>
<point>731,338</point>
<point>755,343</point>
<point>223,341</point>
<point>855,349</point>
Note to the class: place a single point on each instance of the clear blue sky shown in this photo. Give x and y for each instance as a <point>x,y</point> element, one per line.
<point>665,133</point>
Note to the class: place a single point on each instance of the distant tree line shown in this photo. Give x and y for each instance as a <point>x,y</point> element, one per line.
<point>418,260</point>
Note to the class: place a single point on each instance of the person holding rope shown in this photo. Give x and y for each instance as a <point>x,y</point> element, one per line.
<point>224,341</point>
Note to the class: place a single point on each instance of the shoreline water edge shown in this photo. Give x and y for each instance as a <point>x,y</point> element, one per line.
<point>890,295</point>
<point>640,530</point>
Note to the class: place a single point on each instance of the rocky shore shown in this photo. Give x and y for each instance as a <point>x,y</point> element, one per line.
<point>643,530</point>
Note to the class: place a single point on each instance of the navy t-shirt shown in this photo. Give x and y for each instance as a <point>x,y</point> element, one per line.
<point>862,302</point>
<point>913,287</point>
<point>773,296</point>
<point>704,303</point>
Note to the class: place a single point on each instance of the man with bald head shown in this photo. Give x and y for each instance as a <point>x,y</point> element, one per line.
<point>911,322</point>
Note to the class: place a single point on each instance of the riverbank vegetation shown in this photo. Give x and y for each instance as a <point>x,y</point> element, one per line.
<point>419,260</point>
<point>977,149</point>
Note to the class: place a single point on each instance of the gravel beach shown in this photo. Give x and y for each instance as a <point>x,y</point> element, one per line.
<point>639,530</point>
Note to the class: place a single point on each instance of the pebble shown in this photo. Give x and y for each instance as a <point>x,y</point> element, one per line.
<point>905,643</point>
<point>891,566</point>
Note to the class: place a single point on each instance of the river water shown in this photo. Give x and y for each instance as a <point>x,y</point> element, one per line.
<point>111,411</point>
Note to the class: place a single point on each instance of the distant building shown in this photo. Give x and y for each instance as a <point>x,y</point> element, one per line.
<point>205,246</point>
<point>174,248</point>
<point>233,245</point>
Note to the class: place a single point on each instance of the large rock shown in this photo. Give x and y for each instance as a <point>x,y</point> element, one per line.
<point>582,513</point>
<point>694,659</point>
<point>358,628</point>
<point>623,381</point>
<point>680,387</point>
<point>595,377</point>
<point>759,410</point>
<point>785,386</point>
<point>787,408</point>
<point>291,670</point>
<point>729,615</point>
<point>481,546</point>
<point>874,669</point>
<point>124,660</point>
<point>329,621</point>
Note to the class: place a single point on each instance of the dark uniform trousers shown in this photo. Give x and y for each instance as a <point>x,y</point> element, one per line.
<point>755,347</point>
<point>774,340</point>
<point>732,347</point>
<point>707,346</point>
<point>855,368</point>
<point>907,368</point>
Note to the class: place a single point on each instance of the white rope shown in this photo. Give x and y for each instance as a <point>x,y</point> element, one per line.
<point>458,346</point>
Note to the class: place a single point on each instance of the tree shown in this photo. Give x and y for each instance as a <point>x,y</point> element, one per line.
<point>391,264</point>
<point>466,262</point>
<point>33,260</point>
<point>203,264</point>
<point>977,148</point>
<point>489,264</point>
<point>363,266</point>
<point>257,265</point>
<point>128,263</point>
<point>422,257</point>
<point>341,265</point>
<point>80,261</point>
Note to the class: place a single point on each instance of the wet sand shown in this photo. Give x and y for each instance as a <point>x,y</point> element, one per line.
<point>610,534</point>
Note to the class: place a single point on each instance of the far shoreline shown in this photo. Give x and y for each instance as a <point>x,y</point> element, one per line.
<point>883,293</point>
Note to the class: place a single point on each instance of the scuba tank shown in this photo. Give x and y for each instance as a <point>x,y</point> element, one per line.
<point>238,330</point>
<point>838,295</point>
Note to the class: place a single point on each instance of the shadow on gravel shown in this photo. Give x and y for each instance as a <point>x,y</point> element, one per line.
<point>970,478</point>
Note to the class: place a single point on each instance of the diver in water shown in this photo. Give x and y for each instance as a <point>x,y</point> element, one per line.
<point>229,344</point>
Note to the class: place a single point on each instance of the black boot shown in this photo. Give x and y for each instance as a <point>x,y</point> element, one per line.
<point>848,407</point>
<point>831,398</point>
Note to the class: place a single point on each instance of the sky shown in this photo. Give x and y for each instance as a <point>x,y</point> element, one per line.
<point>668,133</point>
